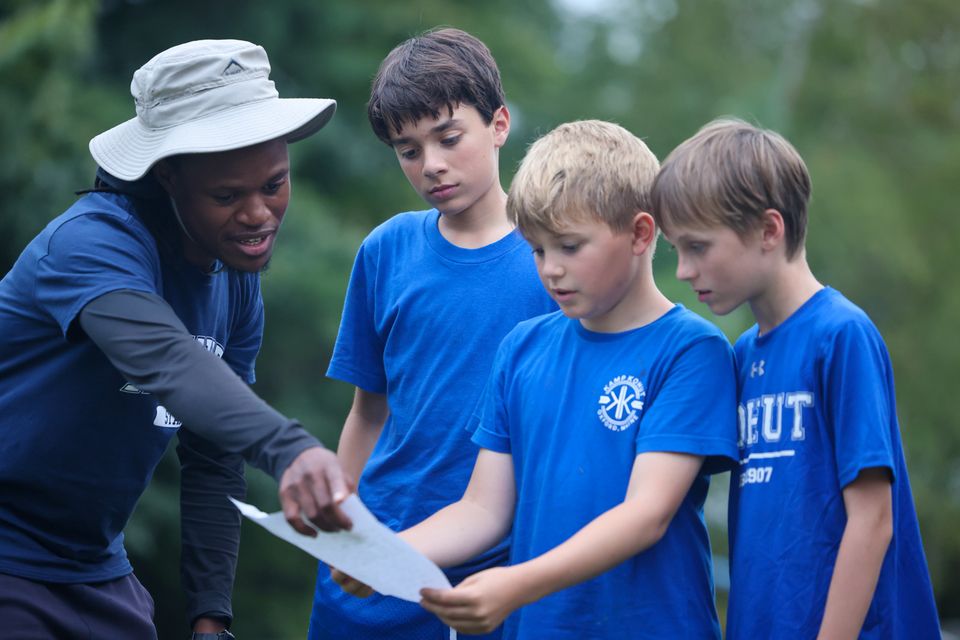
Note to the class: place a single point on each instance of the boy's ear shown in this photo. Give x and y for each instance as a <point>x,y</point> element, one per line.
<point>772,229</point>
<point>501,126</point>
<point>644,232</point>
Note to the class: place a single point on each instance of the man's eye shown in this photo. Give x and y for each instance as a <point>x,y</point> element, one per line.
<point>274,187</point>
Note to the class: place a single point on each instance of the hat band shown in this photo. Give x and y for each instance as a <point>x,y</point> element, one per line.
<point>187,107</point>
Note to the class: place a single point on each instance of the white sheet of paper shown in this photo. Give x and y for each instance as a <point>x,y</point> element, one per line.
<point>369,552</point>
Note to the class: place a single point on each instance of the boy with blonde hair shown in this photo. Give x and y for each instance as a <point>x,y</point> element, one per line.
<point>824,539</point>
<point>431,295</point>
<point>599,425</point>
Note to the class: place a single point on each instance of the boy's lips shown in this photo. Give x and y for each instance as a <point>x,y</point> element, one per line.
<point>442,191</point>
<point>563,295</point>
<point>703,294</point>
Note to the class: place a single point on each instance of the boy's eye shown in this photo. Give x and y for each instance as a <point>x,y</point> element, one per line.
<point>538,251</point>
<point>223,198</point>
<point>569,247</point>
<point>407,154</point>
<point>449,141</point>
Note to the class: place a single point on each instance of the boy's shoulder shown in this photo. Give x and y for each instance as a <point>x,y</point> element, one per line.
<point>548,323</point>
<point>401,225</point>
<point>679,327</point>
<point>825,316</point>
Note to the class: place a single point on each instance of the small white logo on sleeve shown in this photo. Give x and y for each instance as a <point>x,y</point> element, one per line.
<point>621,403</point>
<point>756,368</point>
<point>164,418</point>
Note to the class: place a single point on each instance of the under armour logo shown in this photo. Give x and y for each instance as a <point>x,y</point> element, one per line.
<point>233,67</point>
<point>756,369</point>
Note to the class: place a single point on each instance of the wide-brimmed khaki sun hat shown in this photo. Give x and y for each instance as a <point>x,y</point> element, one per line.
<point>202,97</point>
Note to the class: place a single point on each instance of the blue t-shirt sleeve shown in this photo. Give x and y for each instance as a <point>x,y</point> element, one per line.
<point>694,409</point>
<point>247,334</point>
<point>490,424</point>
<point>90,255</point>
<point>358,352</point>
<point>858,392</point>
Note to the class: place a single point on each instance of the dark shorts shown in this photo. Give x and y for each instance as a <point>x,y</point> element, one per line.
<point>31,610</point>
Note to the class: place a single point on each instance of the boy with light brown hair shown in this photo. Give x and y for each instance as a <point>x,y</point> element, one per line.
<point>824,539</point>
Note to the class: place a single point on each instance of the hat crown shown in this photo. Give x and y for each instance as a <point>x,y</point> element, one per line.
<point>199,78</point>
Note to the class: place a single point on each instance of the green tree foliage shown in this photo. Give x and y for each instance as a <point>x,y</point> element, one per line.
<point>868,90</point>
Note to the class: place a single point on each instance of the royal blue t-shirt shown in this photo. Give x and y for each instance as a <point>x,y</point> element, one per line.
<point>574,408</point>
<point>421,323</point>
<point>816,407</point>
<point>78,444</point>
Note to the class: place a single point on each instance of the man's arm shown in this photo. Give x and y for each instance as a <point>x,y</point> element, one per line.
<point>869,529</point>
<point>143,338</point>
<point>658,484</point>
<point>210,529</point>
<point>361,430</point>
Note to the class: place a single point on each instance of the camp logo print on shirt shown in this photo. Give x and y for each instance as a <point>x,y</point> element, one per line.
<point>164,418</point>
<point>621,402</point>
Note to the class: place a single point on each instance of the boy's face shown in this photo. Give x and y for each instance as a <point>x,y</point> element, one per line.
<point>724,269</point>
<point>452,161</point>
<point>589,269</point>
<point>231,203</point>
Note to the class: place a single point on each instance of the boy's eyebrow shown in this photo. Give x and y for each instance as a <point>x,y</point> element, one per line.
<point>449,123</point>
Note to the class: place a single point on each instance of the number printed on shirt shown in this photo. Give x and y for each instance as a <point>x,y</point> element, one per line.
<point>756,475</point>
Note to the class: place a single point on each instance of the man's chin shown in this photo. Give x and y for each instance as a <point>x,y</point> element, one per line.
<point>249,266</point>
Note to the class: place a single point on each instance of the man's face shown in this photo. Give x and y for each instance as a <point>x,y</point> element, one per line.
<point>451,161</point>
<point>230,203</point>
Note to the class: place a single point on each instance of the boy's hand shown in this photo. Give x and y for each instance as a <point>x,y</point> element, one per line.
<point>312,487</point>
<point>351,585</point>
<point>478,604</point>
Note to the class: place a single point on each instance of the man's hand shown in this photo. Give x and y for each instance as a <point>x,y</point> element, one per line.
<point>314,485</point>
<point>349,584</point>
<point>478,604</point>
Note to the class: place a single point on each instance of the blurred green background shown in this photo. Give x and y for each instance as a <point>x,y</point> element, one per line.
<point>868,91</point>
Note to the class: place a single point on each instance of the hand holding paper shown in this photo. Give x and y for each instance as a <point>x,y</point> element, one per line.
<point>369,552</point>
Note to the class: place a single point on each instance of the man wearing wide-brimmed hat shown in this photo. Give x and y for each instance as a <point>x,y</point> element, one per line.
<point>136,311</point>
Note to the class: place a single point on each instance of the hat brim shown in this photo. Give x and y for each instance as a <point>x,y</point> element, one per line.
<point>128,150</point>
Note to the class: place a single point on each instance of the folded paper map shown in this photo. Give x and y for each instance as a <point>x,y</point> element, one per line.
<point>369,552</point>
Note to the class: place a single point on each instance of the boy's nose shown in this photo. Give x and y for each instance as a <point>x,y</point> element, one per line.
<point>433,162</point>
<point>551,268</point>
<point>684,269</point>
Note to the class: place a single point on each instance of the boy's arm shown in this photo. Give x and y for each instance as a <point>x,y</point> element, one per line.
<point>361,430</point>
<point>459,531</point>
<point>867,535</point>
<point>476,522</point>
<point>658,484</point>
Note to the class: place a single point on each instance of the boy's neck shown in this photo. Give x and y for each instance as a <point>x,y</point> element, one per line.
<point>642,304</point>
<point>789,288</point>
<point>479,225</point>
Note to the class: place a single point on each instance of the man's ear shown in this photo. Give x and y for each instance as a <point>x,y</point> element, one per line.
<point>772,229</point>
<point>644,232</point>
<point>164,173</point>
